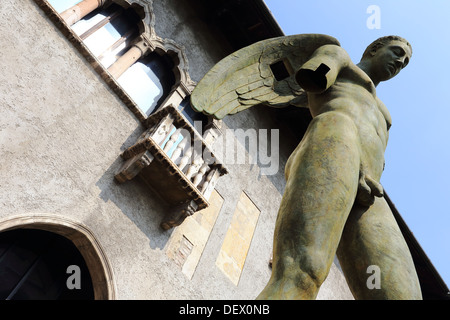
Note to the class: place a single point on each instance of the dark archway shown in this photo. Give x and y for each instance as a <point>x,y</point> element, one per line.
<point>34,266</point>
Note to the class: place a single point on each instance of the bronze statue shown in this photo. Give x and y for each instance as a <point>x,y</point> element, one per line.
<point>333,202</point>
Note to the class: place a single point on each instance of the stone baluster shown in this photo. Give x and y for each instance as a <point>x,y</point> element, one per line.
<point>177,153</point>
<point>194,167</point>
<point>185,159</point>
<point>172,140</point>
<point>200,174</point>
<point>210,182</point>
<point>160,131</point>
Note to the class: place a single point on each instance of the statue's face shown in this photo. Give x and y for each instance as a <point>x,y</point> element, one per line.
<point>390,59</point>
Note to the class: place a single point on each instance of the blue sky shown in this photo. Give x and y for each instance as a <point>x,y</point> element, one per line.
<point>417,173</point>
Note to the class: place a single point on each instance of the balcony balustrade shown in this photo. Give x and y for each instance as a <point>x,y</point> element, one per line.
<point>176,162</point>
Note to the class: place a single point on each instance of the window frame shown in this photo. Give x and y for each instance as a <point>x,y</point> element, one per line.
<point>183,83</point>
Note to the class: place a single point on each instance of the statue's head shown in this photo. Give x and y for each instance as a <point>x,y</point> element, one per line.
<point>387,56</point>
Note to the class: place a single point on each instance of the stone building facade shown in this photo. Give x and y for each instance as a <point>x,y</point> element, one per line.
<point>87,157</point>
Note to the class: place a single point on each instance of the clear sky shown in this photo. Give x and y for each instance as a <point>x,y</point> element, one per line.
<point>417,173</point>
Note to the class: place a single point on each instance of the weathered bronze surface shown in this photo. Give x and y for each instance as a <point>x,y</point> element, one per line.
<point>333,202</point>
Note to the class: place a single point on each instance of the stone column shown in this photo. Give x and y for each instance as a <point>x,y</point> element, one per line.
<point>80,10</point>
<point>137,51</point>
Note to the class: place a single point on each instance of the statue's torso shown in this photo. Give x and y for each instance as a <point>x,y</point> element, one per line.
<point>354,95</point>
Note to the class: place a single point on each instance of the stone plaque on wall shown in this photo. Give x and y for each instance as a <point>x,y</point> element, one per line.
<point>237,240</point>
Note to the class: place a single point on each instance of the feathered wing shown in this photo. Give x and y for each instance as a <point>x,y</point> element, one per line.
<point>262,73</point>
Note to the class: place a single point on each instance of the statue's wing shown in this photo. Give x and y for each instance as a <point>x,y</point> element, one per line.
<point>262,73</point>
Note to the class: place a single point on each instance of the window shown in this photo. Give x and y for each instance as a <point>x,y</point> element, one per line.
<point>149,81</point>
<point>197,119</point>
<point>110,32</point>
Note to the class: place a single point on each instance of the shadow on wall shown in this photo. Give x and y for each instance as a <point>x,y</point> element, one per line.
<point>138,202</point>
<point>282,129</point>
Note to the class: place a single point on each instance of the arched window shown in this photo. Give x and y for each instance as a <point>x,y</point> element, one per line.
<point>149,81</point>
<point>34,266</point>
<point>112,34</point>
<point>108,32</point>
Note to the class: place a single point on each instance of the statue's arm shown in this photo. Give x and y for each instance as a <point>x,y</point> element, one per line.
<point>321,70</point>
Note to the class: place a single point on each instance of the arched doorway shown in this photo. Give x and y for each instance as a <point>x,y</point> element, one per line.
<point>80,236</point>
<point>42,265</point>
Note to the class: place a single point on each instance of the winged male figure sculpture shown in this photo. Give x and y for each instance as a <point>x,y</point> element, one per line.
<point>333,201</point>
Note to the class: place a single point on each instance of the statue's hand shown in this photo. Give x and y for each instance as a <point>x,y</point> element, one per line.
<point>368,189</point>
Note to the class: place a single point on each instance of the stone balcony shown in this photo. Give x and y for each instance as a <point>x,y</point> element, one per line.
<point>176,162</point>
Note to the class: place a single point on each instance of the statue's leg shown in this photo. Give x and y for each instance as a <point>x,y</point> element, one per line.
<point>322,181</point>
<point>375,257</point>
